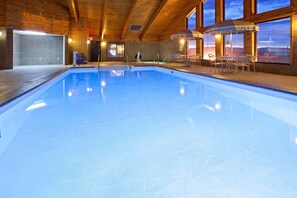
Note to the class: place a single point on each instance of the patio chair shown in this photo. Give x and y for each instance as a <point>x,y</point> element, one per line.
<point>195,60</point>
<point>243,62</point>
<point>179,59</point>
<point>253,58</point>
<point>216,62</point>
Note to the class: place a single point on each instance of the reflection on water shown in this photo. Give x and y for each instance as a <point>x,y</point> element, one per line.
<point>117,73</point>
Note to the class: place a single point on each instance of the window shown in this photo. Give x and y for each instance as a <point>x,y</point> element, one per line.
<point>191,47</point>
<point>115,50</point>
<point>267,5</point>
<point>191,21</point>
<point>237,45</point>
<point>191,24</point>
<point>233,9</point>
<point>208,12</point>
<point>208,46</point>
<point>273,41</point>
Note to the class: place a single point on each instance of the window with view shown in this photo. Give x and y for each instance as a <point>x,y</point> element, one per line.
<point>208,46</point>
<point>115,50</point>
<point>191,24</point>
<point>234,45</point>
<point>208,12</point>
<point>191,21</point>
<point>191,47</point>
<point>273,41</point>
<point>233,9</point>
<point>267,5</point>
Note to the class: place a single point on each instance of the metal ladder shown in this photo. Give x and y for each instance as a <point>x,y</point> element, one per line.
<point>157,59</point>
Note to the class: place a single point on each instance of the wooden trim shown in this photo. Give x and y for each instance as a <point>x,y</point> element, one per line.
<point>190,13</point>
<point>199,16</point>
<point>294,31</point>
<point>73,6</point>
<point>255,43</point>
<point>104,19</point>
<point>292,39</point>
<point>273,15</point>
<point>129,18</point>
<point>153,18</point>
<point>249,8</point>
<point>219,16</point>
<point>219,11</point>
<point>223,9</point>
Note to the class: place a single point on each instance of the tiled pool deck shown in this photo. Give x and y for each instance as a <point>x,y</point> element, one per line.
<point>23,78</point>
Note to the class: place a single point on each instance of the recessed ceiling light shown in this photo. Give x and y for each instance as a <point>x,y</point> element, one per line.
<point>29,32</point>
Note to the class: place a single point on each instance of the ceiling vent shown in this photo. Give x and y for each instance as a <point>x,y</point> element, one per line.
<point>135,27</point>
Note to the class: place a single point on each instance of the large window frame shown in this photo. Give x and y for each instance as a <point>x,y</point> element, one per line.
<point>208,39</point>
<point>190,15</point>
<point>190,43</point>
<point>270,3</point>
<point>203,14</point>
<point>265,17</point>
<point>260,59</point>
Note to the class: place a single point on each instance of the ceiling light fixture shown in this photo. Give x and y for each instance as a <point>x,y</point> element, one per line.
<point>103,43</point>
<point>217,36</point>
<point>29,32</point>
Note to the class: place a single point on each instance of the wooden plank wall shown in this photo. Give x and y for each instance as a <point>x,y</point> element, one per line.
<point>3,13</point>
<point>179,22</point>
<point>39,15</point>
<point>294,32</point>
<point>79,33</point>
<point>148,50</point>
<point>6,48</point>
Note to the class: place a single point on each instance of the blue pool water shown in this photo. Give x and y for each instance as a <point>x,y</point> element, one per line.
<point>148,133</point>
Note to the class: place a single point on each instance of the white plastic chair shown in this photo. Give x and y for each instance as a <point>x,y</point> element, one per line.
<point>215,62</point>
<point>178,59</point>
<point>195,60</point>
<point>243,62</point>
<point>253,58</point>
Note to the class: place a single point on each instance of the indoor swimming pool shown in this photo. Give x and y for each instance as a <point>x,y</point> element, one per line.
<point>148,132</point>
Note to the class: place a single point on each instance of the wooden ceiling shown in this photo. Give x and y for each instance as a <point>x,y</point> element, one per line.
<point>112,19</point>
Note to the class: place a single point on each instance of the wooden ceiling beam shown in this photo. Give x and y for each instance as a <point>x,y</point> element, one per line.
<point>104,18</point>
<point>134,4</point>
<point>153,18</point>
<point>73,6</point>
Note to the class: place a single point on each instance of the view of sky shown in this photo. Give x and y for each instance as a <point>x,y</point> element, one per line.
<point>274,33</point>
<point>192,21</point>
<point>233,9</point>
<point>267,5</point>
<point>208,12</point>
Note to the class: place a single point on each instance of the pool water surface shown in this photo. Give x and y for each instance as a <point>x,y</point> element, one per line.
<point>148,132</point>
